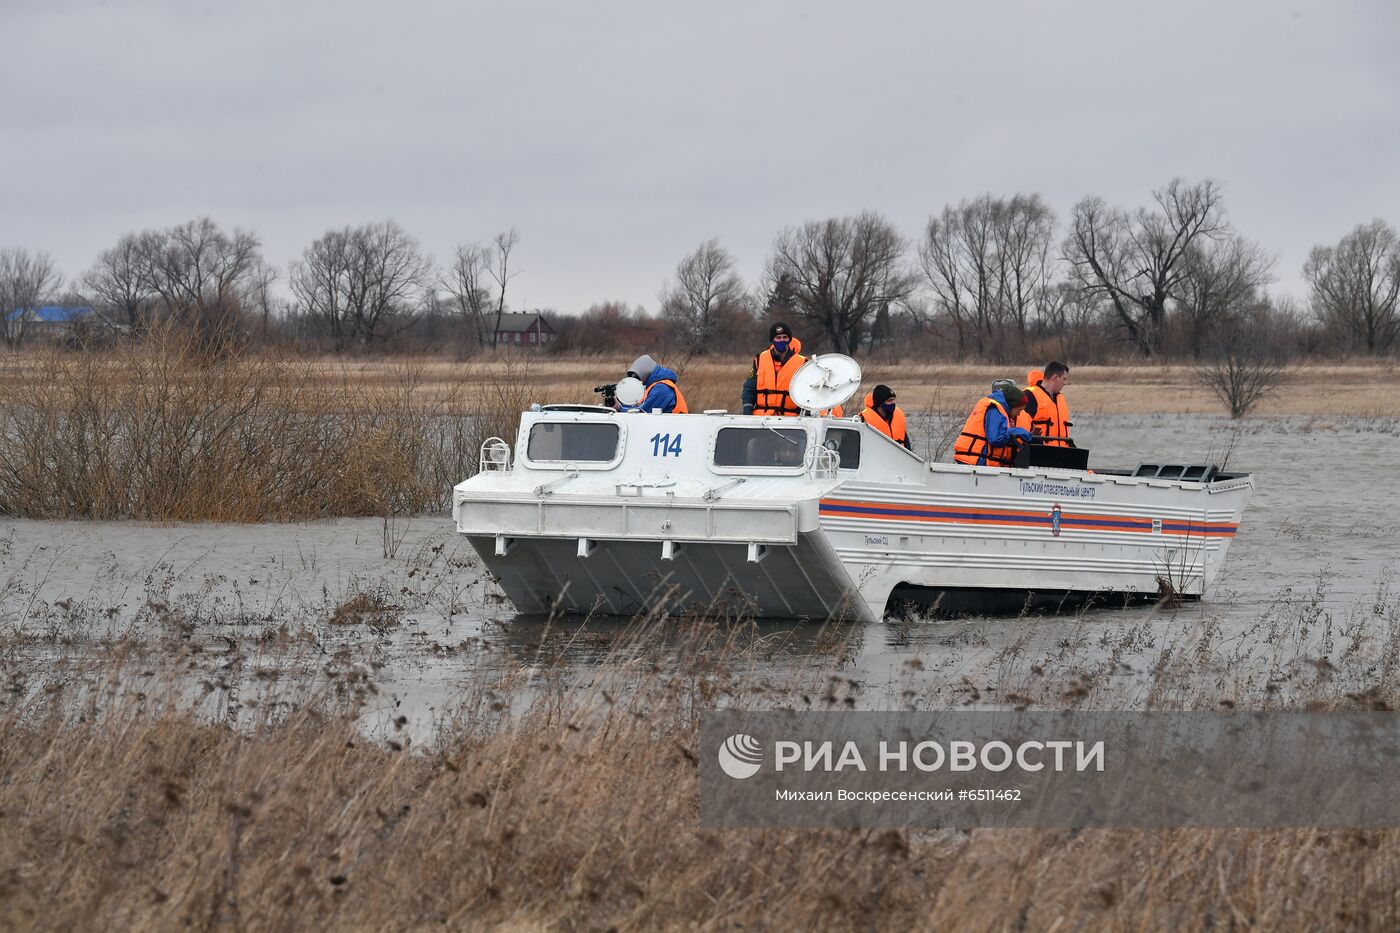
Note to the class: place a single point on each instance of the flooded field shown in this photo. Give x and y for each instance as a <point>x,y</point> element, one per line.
<point>1309,579</point>
<point>409,751</point>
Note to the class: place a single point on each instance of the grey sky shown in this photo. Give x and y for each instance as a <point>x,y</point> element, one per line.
<point>617,136</point>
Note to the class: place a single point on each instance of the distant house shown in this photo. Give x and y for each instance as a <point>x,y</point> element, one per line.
<point>523,329</point>
<point>54,322</point>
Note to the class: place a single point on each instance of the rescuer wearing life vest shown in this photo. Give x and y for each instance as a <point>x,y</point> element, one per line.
<point>883,415</point>
<point>1047,411</point>
<point>989,437</point>
<point>662,393</point>
<point>766,390</point>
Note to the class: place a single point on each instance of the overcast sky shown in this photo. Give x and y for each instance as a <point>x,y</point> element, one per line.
<point>617,136</point>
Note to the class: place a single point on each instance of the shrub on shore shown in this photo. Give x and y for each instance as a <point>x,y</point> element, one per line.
<point>173,431</point>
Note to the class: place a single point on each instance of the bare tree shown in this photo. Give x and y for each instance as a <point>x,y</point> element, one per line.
<point>119,283</point>
<point>708,300</point>
<point>261,299</point>
<point>612,326</point>
<point>1135,261</point>
<point>1022,230</point>
<point>499,270</point>
<point>1356,285</point>
<point>193,273</point>
<point>201,274</point>
<point>1220,279</point>
<point>465,283</point>
<point>841,271</point>
<point>362,283</point>
<point>956,256</point>
<point>1246,360</point>
<point>989,264</point>
<point>1078,320</point>
<point>25,280</point>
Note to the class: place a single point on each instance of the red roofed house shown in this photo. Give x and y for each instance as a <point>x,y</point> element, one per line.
<point>523,330</point>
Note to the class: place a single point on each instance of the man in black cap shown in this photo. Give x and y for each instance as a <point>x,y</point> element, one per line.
<point>882,414</point>
<point>766,390</point>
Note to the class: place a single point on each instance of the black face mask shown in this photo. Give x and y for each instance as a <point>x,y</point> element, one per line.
<point>887,409</point>
<point>781,346</point>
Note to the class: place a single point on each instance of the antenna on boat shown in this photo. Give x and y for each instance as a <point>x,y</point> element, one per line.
<point>825,381</point>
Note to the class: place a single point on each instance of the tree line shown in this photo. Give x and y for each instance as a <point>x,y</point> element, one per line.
<point>991,278</point>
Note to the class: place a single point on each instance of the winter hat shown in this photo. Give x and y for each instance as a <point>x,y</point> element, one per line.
<point>1009,391</point>
<point>642,367</point>
<point>882,394</point>
<point>779,327</point>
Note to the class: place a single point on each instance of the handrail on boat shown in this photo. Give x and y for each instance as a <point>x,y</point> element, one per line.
<point>494,456</point>
<point>822,462</point>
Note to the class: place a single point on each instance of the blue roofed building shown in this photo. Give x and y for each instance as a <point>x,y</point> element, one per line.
<point>54,322</point>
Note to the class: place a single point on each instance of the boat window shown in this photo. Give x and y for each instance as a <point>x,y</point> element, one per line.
<point>573,442</point>
<point>846,443</point>
<point>760,447</point>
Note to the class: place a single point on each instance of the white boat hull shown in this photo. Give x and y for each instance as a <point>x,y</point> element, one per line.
<point>815,540</point>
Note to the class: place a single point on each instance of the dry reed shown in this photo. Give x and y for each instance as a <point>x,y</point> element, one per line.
<point>126,803</point>
<point>168,431</point>
<point>1336,389</point>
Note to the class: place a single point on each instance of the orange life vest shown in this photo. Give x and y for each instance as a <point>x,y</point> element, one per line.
<point>1051,418</point>
<point>894,429</point>
<point>772,381</point>
<point>972,444</point>
<point>680,409</point>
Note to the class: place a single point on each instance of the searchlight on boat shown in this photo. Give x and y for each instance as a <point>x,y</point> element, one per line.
<point>825,381</point>
<point>630,391</point>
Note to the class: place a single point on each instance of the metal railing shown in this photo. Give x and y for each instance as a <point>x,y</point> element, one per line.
<point>494,456</point>
<point>822,462</point>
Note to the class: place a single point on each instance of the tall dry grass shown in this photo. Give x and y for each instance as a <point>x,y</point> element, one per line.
<point>1342,387</point>
<point>128,800</point>
<point>1311,389</point>
<point>172,431</point>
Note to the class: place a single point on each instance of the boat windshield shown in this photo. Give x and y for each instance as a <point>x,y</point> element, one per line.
<point>573,442</point>
<point>760,447</point>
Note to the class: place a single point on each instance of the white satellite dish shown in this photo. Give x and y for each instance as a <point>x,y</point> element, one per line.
<point>825,381</point>
<point>630,391</point>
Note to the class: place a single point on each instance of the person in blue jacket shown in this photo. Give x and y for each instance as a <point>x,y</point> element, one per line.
<point>662,392</point>
<point>988,437</point>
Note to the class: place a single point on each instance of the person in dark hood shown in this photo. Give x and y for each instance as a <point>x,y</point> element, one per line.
<point>882,414</point>
<point>662,393</point>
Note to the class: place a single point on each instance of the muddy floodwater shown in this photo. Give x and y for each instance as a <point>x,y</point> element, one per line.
<point>1308,579</point>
